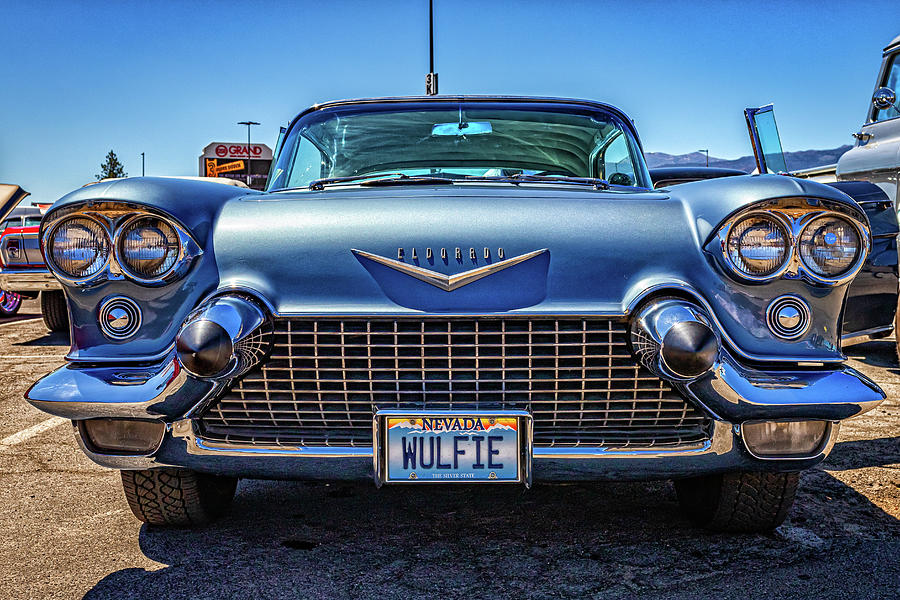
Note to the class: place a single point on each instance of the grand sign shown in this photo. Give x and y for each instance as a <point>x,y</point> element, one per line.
<point>234,150</point>
<point>230,159</point>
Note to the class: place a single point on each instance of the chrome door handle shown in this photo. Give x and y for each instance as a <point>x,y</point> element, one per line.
<point>862,136</point>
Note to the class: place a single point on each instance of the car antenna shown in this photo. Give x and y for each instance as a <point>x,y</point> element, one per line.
<point>431,79</point>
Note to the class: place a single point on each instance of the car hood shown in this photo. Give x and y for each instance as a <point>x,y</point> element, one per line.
<point>343,251</point>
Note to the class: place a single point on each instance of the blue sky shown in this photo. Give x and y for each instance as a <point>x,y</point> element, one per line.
<point>166,78</point>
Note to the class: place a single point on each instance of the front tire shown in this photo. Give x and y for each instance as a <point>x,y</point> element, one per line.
<point>54,310</point>
<point>738,502</point>
<point>177,497</point>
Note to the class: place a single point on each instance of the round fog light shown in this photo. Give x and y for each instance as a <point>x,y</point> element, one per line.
<point>788,317</point>
<point>120,317</point>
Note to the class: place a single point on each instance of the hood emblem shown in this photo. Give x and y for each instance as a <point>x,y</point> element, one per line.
<point>448,283</point>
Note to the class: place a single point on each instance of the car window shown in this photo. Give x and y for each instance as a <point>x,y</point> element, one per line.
<point>308,165</point>
<point>891,80</point>
<point>32,221</point>
<point>454,140</point>
<point>7,223</point>
<point>616,165</point>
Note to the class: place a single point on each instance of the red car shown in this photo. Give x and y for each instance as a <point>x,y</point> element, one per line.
<point>23,273</point>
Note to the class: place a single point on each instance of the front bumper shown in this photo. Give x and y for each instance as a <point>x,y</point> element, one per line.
<point>28,280</point>
<point>730,393</point>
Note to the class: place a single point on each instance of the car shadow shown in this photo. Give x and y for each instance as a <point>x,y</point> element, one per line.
<point>576,540</point>
<point>878,353</point>
<point>50,338</point>
<point>857,454</point>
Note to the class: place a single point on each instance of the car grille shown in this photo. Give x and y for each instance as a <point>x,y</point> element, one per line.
<point>326,378</point>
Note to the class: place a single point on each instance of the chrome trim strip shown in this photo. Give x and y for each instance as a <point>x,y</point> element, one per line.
<point>866,335</point>
<point>448,283</point>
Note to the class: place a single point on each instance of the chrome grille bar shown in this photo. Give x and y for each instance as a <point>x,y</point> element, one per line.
<point>326,378</point>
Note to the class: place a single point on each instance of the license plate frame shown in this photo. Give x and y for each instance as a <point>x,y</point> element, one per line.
<point>380,448</point>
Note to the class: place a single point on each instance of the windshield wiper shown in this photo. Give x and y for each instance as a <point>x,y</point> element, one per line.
<point>594,182</point>
<point>379,179</point>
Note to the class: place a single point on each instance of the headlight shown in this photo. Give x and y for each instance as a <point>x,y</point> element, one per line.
<point>148,247</point>
<point>829,246</point>
<point>757,245</point>
<point>79,247</point>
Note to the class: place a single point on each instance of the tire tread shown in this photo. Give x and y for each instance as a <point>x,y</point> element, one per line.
<point>54,310</point>
<point>745,502</point>
<point>177,497</point>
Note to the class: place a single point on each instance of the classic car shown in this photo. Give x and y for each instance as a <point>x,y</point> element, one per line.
<point>458,289</point>
<point>875,155</point>
<point>23,273</point>
<point>872,301</point>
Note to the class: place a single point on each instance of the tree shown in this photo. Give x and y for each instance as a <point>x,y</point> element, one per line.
<point>111,168</point>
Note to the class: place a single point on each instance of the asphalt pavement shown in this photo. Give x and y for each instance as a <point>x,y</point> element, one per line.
<point>66,531</point>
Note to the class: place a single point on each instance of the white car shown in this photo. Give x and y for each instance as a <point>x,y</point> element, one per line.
<point>875,156</point>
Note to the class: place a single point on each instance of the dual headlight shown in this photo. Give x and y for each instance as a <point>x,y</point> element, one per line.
<point>761,245</point>
<point>145,247</point>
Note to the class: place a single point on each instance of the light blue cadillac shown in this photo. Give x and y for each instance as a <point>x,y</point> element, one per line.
<point>458,290</point>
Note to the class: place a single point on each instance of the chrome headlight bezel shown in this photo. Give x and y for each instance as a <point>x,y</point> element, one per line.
<point>794,214</point>
<point>779,222</point>
<point>860,236</point>
<point>119,237</point>
<point>114,217</point>
<point>57,270</point>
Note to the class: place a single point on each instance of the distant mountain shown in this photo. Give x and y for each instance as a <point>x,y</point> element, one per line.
<point>802,159</point>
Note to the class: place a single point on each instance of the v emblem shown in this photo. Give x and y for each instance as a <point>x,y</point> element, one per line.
<point>448,283</point>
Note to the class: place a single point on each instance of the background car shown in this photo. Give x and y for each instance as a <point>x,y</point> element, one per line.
<point>23,273</point>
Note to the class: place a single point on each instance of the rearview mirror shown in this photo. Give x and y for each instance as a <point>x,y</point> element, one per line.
<point>765,139</point>
<point>884,98</point>
<point>462,128</point>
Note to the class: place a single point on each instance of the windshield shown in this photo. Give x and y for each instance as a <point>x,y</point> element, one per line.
<point>459,140</point>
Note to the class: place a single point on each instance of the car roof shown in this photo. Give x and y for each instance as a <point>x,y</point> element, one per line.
<point>465,98</point>
<point>24,211</point>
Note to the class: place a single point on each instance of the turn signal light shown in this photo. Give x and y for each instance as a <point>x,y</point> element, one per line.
<point>790,438</point>
<point>124,436</point>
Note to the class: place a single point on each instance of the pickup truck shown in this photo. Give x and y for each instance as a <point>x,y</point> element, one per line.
<point>875,155</point>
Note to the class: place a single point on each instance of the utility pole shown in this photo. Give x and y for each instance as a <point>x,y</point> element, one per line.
<point>142,164</point>
<point>707,155</point>
<point>431,79</point>
<point>248,124</point>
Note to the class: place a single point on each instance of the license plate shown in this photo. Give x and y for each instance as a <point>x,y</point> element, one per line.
<point>453,448</point>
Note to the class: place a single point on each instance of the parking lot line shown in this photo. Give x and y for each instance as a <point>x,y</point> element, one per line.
<point>14,321</point>
<point>27,434</point>
<point>33,356</point>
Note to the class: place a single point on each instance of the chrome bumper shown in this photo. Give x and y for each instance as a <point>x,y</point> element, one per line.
<point>28,280</point>
<point>723,452</point>
<point>730,393</point>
